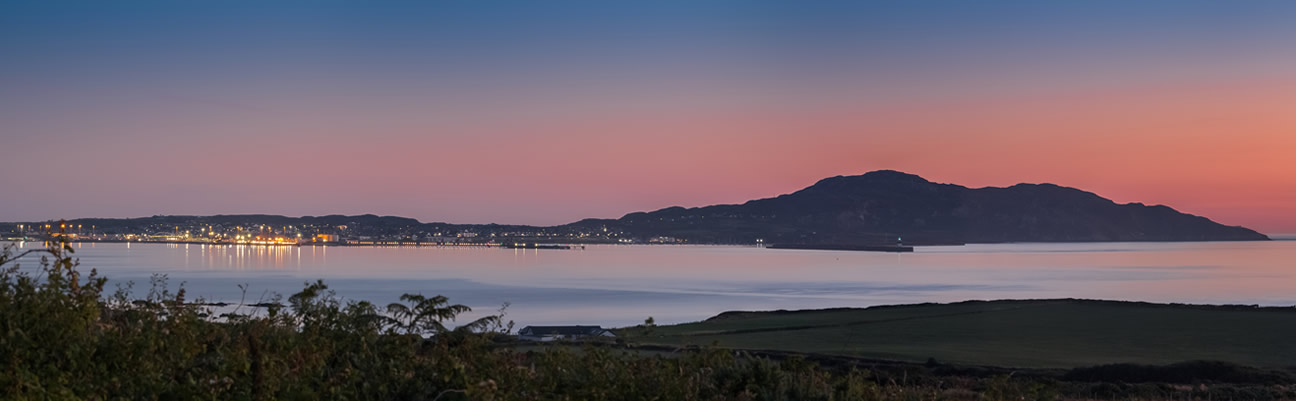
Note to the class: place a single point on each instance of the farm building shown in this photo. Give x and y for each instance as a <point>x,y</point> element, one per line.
<point>555,333</point>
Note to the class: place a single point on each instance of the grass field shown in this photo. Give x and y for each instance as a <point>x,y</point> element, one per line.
<point>1034,333</point>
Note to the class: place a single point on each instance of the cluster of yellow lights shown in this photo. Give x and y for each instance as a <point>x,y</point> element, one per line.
<point>258,240</point>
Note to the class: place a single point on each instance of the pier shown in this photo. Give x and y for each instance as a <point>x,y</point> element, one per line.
<point>844,247</point>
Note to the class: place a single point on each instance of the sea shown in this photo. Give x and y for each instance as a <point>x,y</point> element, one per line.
<point>622,285</point>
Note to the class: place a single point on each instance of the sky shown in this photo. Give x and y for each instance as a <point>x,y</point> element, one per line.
<point>548,112</point>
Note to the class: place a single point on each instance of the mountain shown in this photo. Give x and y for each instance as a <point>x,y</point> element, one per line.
<point>881,206</point>
<point>875,208</point>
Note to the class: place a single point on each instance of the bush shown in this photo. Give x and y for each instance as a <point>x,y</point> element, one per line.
<point>63,338</point>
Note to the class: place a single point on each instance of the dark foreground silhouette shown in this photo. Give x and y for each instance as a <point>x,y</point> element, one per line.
<point>63,337</point>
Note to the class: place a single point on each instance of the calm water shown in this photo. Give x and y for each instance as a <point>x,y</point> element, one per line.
<point>621,285</point>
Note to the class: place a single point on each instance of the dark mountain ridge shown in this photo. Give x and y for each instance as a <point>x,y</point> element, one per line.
<point>878,207</point>
<point>882,206</point>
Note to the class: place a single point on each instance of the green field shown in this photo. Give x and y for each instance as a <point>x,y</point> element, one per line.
<point>1036,333</point>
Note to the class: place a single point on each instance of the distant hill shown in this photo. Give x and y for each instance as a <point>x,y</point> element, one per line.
<point>251,220</point>
<point>882,206</point>
<point>1046,333</point>
<point>874,208</point>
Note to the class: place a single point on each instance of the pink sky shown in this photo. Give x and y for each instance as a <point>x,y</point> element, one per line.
<point>545,115</point>
<point>1220,150</point>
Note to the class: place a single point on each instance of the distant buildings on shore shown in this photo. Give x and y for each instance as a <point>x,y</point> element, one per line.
<point>177,229</point>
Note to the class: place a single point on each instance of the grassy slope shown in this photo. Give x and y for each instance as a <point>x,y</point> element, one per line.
<point>1046,333</point>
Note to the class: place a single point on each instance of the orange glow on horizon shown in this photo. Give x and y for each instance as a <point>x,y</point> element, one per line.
<point>1222,150</point>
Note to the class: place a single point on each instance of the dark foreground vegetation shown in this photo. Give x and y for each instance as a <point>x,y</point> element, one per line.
<point>62,337</point>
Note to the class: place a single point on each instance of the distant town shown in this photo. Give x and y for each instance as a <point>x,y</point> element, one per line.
<point>880,210</point>
<point>327,230</point>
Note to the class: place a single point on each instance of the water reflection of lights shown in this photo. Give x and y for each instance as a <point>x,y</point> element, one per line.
<point>241,256</point>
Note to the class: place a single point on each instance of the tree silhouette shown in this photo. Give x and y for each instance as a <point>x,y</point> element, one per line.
<point>427,316</point>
